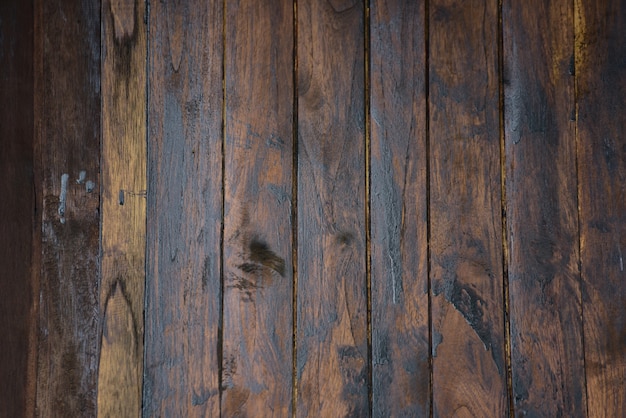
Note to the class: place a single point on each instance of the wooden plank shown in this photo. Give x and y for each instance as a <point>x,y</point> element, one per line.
<point>601,89</point>
<point>123,207</point>
<point>542,214</point>
<point>67,111</point>
<point>182,346</point>
<point>400,341</point>
<point>469,371</point>
<point>332,347</point>
<point>17,212</point>
<point>258,272</point>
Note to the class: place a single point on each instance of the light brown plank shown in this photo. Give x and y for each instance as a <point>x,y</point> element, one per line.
<point>123,207</point>
<point>67,141</point>
<point>182,346</point>
<point>542,214</point>
<point>469,372</point>
<point>400,341</point>
<point>258,272</point>
<point>601,89</point>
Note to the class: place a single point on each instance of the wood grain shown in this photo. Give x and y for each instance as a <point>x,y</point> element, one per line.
<point>332,352</point>
<point>400,342</point>
<point>601,88</point>
<point>67,114</point>
<point>469,374</point>
<point>542,213</point>
<point>17,212</point>
<point>182,346</point>
<point>123,211</point>
<point>258,271</point>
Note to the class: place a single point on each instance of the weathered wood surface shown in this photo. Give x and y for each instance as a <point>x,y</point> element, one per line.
<point>601,93</point>
<point>542,212</point>
<point>332,344</point>
<point>399,275</point>
<point>67,113</point>
<point>469,369</point>
<point>123,208</point>
<point>183,301</point>
<point>258,272</point>
<point>18,292</point>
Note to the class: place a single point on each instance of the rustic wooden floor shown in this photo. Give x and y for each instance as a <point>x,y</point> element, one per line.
<point>314,208</point>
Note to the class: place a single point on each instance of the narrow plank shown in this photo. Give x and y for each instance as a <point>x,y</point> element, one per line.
<point>67,78</point>
<point>332,349</point>
<point>258,272</point>
<point>469,372</point>
<point>601,89</point>
<point>17,211</point>
<point>182,347</point>
<point>542,213</point>
<point>400,342</point>
<point>123,208</point>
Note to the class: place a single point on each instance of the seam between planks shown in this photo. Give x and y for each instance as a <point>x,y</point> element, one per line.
<point>220,327</point>
<point>294,217</point>
<point>504,221</point>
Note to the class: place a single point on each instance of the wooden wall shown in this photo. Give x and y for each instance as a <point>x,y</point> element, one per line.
<point>312,208</point>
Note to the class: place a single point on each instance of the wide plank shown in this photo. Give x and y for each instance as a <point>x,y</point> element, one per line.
<point>183,289</point>
<point>541,207</point>
<point>601,139</point>
<point>399,256</point>
<point>332,344</point>
<point>258,155</point>
<point>123,208</point>
<point>469,368</point>
<point>18,286</point>
<point>67,137</point>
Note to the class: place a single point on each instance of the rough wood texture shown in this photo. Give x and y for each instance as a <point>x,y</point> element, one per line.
<point>17,211</point>
<point>120,370</point>
<point>184,210</point>
<point>542,212</point>
<point>67,111</point>
<point>400,342</point>
<point>469,372</point>
<point>332,352</point>
<point>601,89</point>
<point>258,272</point>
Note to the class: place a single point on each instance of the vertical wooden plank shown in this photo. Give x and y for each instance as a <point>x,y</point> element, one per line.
<point>542,213</point>
<point>258,272</point>
<point>123,207</point>
<point>17,211</point>
<point>469,372</point>
<point>182,347</point>
<point>332,351</point>
<point>601,89</point>
<point>67,74</point>
<point>400,342</point>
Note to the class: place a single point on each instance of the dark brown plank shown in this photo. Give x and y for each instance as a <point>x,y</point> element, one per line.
<point>17,211</point>
<point>123,210</point>
<point>542,215</point>
<point>258,272</point>
<point>67,111</point>
<point>469,372</point>
<point>601,92</point>
<point>400,344</point>
<point>183,290</point>
<point>332,352</point>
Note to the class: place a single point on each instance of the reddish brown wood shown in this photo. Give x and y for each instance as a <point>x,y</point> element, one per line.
<point>601,88</point>
<point>469,372</point>
<point>332,349</point>
<point>183,291</point>
<point>67,74</point>
<point>542,216</point>
<point>17,211</point>
<point>400,342</point>
<point>258,271</point>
